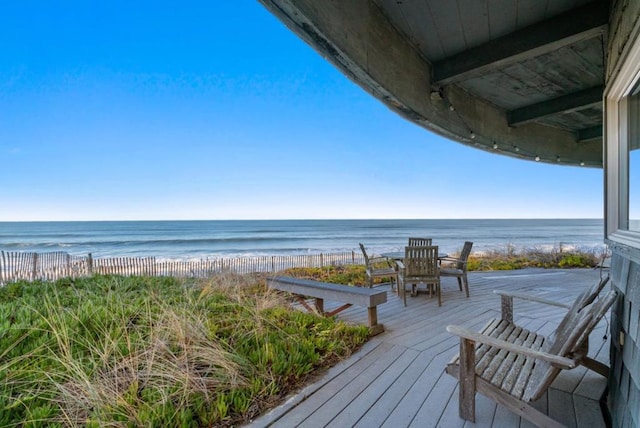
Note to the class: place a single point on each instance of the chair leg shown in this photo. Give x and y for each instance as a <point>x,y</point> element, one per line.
<point>466,285</point>
<point>439,294</point>
<point>459,283</point>
<point>467,381</point>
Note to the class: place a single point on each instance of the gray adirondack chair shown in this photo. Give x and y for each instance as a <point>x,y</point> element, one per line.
<point>378,267</point>
<point>514,366</point>
<point>457,267</point>
<point>420,266</point>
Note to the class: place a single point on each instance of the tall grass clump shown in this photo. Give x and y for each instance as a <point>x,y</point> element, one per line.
<point>134,351</point>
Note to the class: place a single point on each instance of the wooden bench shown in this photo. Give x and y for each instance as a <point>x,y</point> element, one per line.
<point>514,366</point>
<point>349,295</point>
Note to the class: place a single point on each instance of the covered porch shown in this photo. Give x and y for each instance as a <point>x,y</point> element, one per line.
<point>397,379</point>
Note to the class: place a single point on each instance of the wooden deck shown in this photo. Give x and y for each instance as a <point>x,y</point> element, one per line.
<point>397,379</point>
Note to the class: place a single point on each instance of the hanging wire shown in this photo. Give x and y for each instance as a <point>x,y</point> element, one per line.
<point>472,135</point>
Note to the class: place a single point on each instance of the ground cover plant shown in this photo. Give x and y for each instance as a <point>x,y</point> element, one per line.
<point>557,257</point>
<point>133,351</point>
<point>336,274</point>
<point>507,259</point>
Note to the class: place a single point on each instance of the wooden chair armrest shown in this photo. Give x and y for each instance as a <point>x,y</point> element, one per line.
<point>452,259</point>
<point>452,262</point>
<point>556,360</point>
<point>524,296</point>
<point>400,264</point>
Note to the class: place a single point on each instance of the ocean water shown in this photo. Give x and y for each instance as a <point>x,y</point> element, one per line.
<point>230,238</point>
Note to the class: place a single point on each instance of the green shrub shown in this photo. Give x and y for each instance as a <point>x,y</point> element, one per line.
<point>340,274</point>
<point>510,259</point>
<point>577,261</point>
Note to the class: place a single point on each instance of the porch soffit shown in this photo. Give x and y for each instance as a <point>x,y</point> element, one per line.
<point>523,78</point>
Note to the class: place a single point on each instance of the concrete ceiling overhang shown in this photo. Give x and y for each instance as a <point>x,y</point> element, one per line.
<point>523,78</point>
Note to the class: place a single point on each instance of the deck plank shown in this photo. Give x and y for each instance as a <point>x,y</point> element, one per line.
<point>561,407</point>
<point>394,394</point>
<point>316,400</point>
<point>370,396</point>
<point>587,415</point>
<point>397,379</point>
<point>423,387</point>
<point>343,397</point>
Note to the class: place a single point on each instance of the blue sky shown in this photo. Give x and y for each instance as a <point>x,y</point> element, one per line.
<point>215,110</point>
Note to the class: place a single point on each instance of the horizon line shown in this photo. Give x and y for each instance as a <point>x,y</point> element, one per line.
<point>301,219</point>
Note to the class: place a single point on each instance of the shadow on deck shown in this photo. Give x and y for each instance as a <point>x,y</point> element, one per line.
<point>397,379</point>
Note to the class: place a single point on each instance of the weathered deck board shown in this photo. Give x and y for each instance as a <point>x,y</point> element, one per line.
<point>315,401</point>
<point>397,379</point>
<point>365,400</point>
<point>345,396</point>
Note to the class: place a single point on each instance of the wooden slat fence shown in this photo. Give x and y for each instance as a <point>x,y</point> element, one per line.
<point>15,266</point>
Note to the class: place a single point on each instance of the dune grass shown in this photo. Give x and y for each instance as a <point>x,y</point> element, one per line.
<point>133,351</point>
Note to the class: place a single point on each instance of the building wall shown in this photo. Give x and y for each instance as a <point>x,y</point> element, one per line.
<point>624,383</point>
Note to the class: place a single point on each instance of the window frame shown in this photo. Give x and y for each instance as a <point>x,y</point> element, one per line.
<point>616,152</point>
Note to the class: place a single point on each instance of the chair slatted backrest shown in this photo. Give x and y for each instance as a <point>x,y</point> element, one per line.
<point>421,261</point>
<point>364,253</point>
<point>585,298</point>
<point>464,256</point>
<point>420,242</point>
<point>567,342</point>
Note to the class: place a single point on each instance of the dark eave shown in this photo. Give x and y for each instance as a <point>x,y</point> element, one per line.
<point>518,78</point>
<point>562,104</point>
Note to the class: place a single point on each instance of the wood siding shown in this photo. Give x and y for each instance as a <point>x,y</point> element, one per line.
<point>624,383</point>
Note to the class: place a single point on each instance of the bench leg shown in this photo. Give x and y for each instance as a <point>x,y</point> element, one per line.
<point>320,305</point>
<point>303,302</point>
<point>374,327</point>
<point>338,310</point>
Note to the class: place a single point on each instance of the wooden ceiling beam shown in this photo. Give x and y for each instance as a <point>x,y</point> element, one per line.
<point>565,29</point>
<point>591,133</point>
<point>565,103</point>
